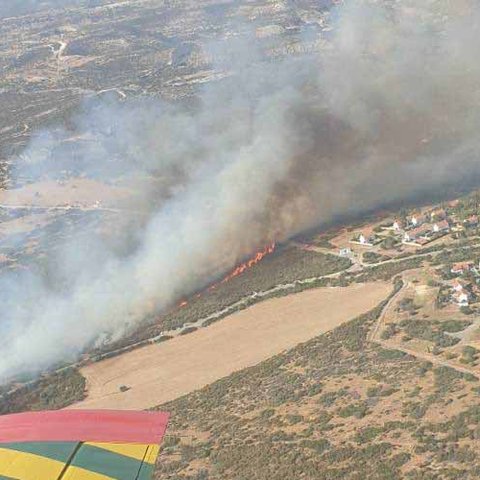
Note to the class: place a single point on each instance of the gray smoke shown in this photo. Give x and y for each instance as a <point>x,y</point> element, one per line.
<point>388,110</point>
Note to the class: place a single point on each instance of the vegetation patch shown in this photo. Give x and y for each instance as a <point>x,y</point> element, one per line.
<point>54,392</point>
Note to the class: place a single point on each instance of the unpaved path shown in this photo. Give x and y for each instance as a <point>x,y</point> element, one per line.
<point>158,373</point>
<point>429,357</point>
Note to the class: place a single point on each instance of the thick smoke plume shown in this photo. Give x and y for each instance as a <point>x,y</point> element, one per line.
<point>388,110</point>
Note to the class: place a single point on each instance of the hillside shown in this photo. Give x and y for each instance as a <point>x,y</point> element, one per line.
<point>335,407</point>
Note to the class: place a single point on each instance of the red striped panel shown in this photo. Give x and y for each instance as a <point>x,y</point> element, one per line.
<point>84,426</point>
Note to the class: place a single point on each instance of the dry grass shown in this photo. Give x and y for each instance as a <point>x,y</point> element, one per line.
<point>160,373</point>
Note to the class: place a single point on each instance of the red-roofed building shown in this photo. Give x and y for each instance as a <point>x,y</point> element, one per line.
<point>416,233</point>
<point>442,226</point>
<point>417,220</point>
<point>472,221</point>
<point>462,267</point>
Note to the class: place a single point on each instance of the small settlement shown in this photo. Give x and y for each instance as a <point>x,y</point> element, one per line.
<point>419,229</point>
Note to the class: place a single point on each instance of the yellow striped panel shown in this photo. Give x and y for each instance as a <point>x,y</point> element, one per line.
<point>76,473</point>
<point>26,466</point>
<point>132,450</point>
<point>152,454</point>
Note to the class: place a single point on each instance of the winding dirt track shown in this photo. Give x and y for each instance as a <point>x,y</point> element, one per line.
<point>163,372</point>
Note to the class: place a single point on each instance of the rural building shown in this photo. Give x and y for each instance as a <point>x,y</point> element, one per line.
<point>461,267</point>
<point>472,221</point>
<point>363,239</point>
<point>397,225</point>
<point>417,220</point>
<point>442,226</point>
<point>415,234</point>
<point>461,298</point>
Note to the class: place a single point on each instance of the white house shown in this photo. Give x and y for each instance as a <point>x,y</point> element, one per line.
<point>415,234</point>
<point>417,220</point>
<point>442,226</point>
<point>461,267</point>
<point>363,239</point>
<point>397,226</point>
<point>461,298</point>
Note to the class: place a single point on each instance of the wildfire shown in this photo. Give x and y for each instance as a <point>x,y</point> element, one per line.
<point>250,263</point>
<point>238,270</point>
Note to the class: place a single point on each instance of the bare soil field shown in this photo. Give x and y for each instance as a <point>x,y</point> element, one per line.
<point>160,373</point>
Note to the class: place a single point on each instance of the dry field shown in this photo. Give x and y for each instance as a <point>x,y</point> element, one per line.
<point>160,373</point>
<point>79,191</point>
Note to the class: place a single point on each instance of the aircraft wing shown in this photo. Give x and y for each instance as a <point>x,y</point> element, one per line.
<point>80,445</point>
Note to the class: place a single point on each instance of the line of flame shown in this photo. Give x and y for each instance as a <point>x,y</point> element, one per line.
<point>238,270</point>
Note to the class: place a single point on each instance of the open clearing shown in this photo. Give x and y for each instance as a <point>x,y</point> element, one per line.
<point>159,373</point>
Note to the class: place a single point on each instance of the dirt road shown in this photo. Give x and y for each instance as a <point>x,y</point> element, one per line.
<point>159,373</point>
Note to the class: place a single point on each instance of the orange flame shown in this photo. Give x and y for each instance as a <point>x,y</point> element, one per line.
<point>237,271</point>
<point>250,263</point>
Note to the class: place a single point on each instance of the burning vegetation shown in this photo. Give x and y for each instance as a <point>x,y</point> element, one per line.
<point>258,257</point>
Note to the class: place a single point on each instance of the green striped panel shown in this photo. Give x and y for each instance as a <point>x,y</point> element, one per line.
<point>60,451</point>
<point>146,472</point>
<point>107,463</point>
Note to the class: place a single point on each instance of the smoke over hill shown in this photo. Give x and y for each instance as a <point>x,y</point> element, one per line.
<point>11,8</point>
<point>390,109</point>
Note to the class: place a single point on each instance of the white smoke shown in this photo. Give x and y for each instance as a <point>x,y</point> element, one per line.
<point>390,110</point>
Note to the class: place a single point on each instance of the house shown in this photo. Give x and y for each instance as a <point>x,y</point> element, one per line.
<point>437,215</point>
<point>345,252</point>
<point>397,225</point>
<point>461,267</point>
<point>415,234</point>
<point>442,226</point>
<point>364,240</point>
<point>472,221</point>
<point>461,298</point>
<point>417,220</point>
